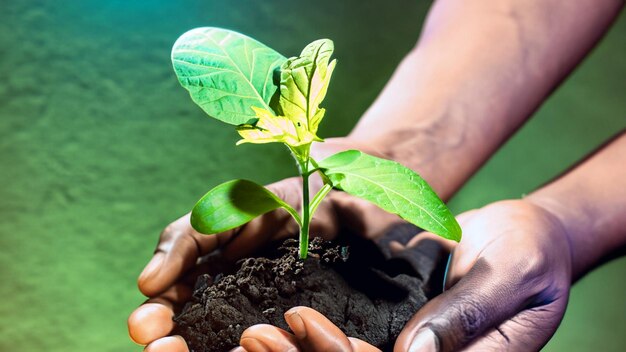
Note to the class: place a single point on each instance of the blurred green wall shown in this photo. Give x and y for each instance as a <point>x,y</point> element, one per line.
<point>100,148</point>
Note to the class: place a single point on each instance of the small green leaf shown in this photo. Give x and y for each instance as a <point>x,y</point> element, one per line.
<point>233,204</point>
<point>304,81</point>
<point>394,188</point>
<point>271,128</point>
<point>226,72</point>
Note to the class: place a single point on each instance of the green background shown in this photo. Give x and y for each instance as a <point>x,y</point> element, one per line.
<point>100,148</point>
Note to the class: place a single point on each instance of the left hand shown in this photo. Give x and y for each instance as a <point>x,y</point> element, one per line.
<point>169,278</point>
<point>507,289</point>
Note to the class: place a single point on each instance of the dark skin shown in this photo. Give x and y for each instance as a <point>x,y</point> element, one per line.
<point>509,279</point>
<point>453,101</point>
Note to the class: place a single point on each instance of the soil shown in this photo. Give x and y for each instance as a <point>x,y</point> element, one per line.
<point>356,283</point>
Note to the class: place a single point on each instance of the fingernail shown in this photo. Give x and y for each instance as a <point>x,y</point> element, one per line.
<point>252,344</point>
<point>424,341</point>
<point>297,324</point>
<point>153,266</point>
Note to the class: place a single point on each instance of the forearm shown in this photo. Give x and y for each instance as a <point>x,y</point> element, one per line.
<point>590,202</point>
<point>478,72</point>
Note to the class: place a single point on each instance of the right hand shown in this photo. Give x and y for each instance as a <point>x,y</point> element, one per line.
<point>168,278</point>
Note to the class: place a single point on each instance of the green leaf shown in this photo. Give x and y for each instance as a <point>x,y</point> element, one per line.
<point>394,188</point>
<point>304,81</point>
<point>233,204</point>
<point>225,72</point>
<point>270,128</point>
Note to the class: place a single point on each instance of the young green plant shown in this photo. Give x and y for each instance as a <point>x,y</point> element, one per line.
<point>269,98</point>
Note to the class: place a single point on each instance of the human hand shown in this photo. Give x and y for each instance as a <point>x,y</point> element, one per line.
<point>507,284</point>
<point>507,288</point>
<point>311,332</point>
<point>169,278</point>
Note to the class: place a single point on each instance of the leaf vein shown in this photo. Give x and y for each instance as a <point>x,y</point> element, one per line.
<point>399,195</point>
<point>241,72</point>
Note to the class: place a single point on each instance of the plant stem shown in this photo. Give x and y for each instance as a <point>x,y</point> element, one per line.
<point>306,215</point>
<point>317,199</point>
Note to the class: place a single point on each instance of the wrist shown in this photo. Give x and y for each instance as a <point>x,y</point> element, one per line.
<point>441,150</point>
<point>589,202</point>
<point>586,248</point>
<point>555,211</point>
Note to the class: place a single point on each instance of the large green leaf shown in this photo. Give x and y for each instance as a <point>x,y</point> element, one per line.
<point>394,188</point>
<point>304,81</point>
<point>233,204</point>
<point>225,72</point>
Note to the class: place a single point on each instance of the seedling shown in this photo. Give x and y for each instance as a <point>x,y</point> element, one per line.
<point>269,98</point>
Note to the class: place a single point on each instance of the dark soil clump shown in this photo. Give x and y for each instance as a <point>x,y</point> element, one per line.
<point>368,294</point>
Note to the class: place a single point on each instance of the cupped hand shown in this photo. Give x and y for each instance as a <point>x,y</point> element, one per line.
<point>169,278</point>
<point>507,284</point>
<point>507,288</point>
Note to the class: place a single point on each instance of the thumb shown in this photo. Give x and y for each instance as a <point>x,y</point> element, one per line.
<point>480,301</point>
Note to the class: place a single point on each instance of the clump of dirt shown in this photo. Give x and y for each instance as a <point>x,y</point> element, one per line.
<point>367,293</point>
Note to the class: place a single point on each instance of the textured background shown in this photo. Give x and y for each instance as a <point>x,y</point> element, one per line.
<point>100,148</point>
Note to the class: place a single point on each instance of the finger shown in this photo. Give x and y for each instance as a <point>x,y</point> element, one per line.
<point>268,338</point>
<point>448,245</point>
<point>150,322</point>
<point>153,319</point>
<point>480,301</point>
<point>315,332</point>
<point>529,330</point>
<point>361,346</point>
<point>422,237</point>
<point>178,249</point>
<point>168,344</point>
